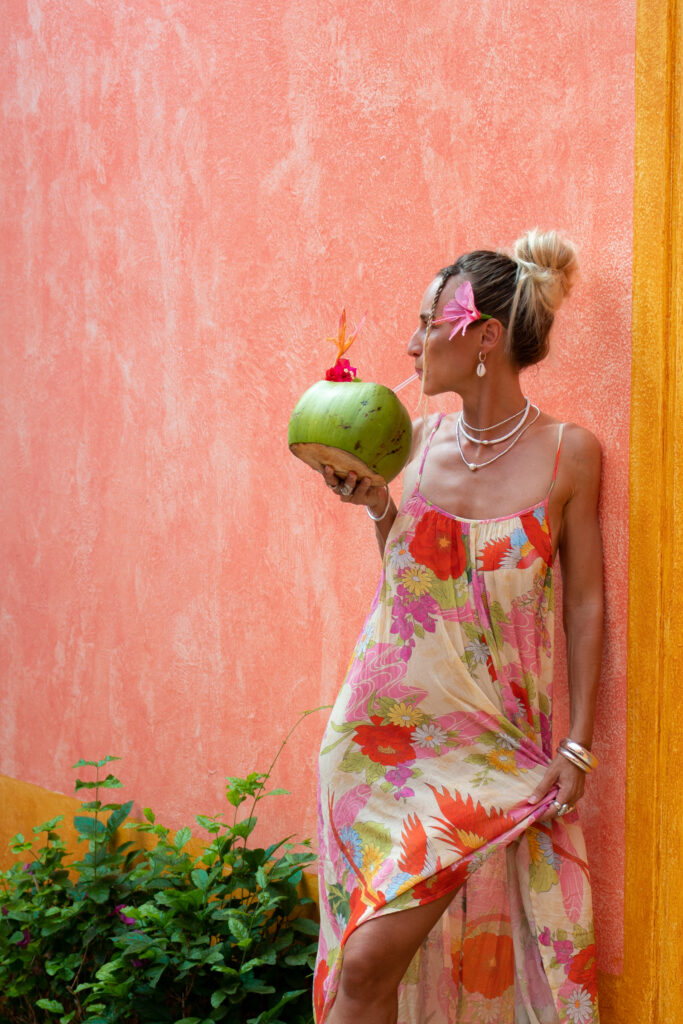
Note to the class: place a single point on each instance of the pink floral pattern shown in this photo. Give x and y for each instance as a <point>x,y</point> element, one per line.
<point>441,731</point>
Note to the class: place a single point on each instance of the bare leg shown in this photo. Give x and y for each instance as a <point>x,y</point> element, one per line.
<point>376,957</point>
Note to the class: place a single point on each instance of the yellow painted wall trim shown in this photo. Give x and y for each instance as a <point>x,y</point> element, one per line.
<point>23,806</point>
<point>650,989</point>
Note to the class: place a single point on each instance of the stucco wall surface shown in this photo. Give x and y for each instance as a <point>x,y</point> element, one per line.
<point>190,192</point>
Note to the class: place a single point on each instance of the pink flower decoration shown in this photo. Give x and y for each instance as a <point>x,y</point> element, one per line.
<point>461,310</point>
<point>342,370</point>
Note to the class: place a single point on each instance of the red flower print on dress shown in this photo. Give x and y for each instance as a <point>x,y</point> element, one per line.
<point>385,744</point>
<point>319,987</point>
<point>413,846</point>
<point>494,553</point>
<point>438,544</point>
<point>583,970</point>
<point>465,826</point>
<point>488,963</point>
<point>444,880</point>
<point>536,528</point>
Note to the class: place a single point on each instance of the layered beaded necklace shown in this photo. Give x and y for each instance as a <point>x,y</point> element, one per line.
<point>462,427</point>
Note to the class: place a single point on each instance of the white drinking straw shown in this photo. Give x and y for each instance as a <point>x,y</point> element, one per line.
<point>405,383</point>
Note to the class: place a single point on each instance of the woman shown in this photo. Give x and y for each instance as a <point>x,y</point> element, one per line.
<point>454,885</point>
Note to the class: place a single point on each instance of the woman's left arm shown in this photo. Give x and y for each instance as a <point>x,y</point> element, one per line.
<point>580,551</point>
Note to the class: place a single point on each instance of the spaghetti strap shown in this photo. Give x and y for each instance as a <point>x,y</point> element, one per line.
<point>557,458</point>
<point>426,449</point>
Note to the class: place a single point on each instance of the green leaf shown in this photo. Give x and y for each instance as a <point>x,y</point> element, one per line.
<point>82,784</point>
<point>116,818</point>
<point>154,974</point>
<point>268,1015</point>
<point>50,1004</point>
<point>95,764</point>
<point>99,893</point>
<point>149,814</point>
<point>107,971</point>
<point>183,836</point>
<point>244,828</point>
<point>48,826</point>
<point>89,827</point>
<point>305,925</point>
<point>238,929</point>
<point>200,878</point>
<point>208,823</point>
<point>111,782</point>
<point>218,997</point>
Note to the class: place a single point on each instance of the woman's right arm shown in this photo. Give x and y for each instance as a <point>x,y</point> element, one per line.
<point>374,498</point>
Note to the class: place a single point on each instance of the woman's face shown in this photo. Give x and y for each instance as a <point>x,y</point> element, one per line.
<point>448,361</point>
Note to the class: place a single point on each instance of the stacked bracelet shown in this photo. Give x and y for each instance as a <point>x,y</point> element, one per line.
<point>378,519</point>
<point>579,756</point>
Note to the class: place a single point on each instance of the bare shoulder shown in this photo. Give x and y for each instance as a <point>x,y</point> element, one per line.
<point>581,460</point>
<point>421,429</point>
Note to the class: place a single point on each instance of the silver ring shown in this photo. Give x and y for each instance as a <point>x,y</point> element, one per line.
<point>346,490</point>
<point>562,808</point>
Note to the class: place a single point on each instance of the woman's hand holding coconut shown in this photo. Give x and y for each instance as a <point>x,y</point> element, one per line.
<point>357,491</point>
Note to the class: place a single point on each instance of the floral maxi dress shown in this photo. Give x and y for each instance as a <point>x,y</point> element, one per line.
<point>437,738</point>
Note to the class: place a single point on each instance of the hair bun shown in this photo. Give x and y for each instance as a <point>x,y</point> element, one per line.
<point>547,262</point>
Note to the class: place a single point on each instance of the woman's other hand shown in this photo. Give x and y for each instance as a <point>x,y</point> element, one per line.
<point>569,781</point>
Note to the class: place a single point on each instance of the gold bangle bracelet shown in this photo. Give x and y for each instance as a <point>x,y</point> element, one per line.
<point>583,753</point>
<point>576,761</point>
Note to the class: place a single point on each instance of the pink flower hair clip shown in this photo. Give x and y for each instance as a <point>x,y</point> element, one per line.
<point>461,310</point>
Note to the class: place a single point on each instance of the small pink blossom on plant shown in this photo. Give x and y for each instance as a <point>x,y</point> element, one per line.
<point>461,310</point>
<point>342,370</point>
<point>118,910</point>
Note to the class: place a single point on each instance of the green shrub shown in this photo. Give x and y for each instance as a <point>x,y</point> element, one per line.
<point>132,935</point>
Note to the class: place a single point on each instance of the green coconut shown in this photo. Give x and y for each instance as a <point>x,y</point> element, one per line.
<point>353,426</point>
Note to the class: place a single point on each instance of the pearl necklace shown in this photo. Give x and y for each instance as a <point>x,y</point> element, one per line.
<point>495,440</point>
<point>480,465</point>
<point>494,426</point>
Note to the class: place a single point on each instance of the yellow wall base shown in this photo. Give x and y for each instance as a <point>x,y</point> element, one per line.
<point>23,806</point>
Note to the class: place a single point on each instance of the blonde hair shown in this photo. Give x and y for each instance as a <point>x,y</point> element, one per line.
<point>547,268</point>
<point>523,291</point>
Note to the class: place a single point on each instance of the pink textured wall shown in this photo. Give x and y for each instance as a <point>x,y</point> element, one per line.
<point>191,189</point>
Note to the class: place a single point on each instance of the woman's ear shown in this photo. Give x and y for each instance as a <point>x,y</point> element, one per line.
<point>491,335</point>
